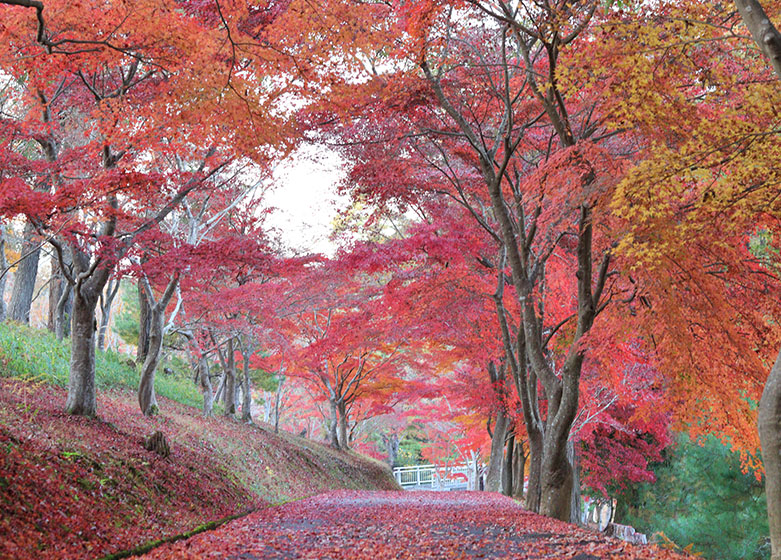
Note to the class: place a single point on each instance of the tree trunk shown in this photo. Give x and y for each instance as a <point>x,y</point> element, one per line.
<point>333,438</point>
<point>392,447</point>
<point>143,323</point>
<point>56,284</point>
<point>60,298</point>
<point>342,409</point>
<point>267,407</point>
<point>229,392</point>
<point>519,469</point>
<point>221,385</point>
<point>534,488</point>
<point>147,399</point>
<point>556,476</point>
<point>63,311</point>
<point>81,385</point>
<point>770,438</point>
<point>106,301</point>
<point>206,386</point>
<point>3,273</point>
<point>246,405</point>
<point>493,479</point>
<point>277,404</point>
<point>507,470</point>
<point>24,279</point>
<point>575,497</point>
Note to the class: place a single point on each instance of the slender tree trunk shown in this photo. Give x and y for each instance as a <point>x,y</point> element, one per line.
<point>507,470</point>
<point>342,408</point>
<point>221,385</point>
<point>147,399</point>
<point>770,438</point>
<point>246,405</point>
<point>238,389</point>
<point>519,469</point>
<point>3,272</point>
<point>143,323</point>
<point>60,298</point>
<point>333,437</point>
<point>392,447</point>
<point>81,386</point>
<point>106,301</point>
<point>493,479</point>
<point>24,279</point>
<point>229,392</point>
<point>278,403</point>
<point>63,311</point>
<point>56,285</point>
<point>206,386</point>
<point>534,489</point>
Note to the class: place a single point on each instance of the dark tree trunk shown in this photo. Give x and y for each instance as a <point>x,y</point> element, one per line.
<point>81,386</point>
<point>556,476</point>
<point>24,279</point>
<point>333,437</point>
<point>60,298</point>
<point>278,403</point>
<point>519,469</point>
<point>342,408</point>
<point>56,285</point>
<point>147,399</point>
<point>246,405</point>
<point>229,392</point>
<point>143,323</point>
<point>206,386</point>
<point>493,478</point>
<point>534,489</point>
<point>63,312</point>
<point>507,472</point>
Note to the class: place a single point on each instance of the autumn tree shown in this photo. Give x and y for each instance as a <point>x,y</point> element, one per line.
<point>703,240</point>
<point>345,344</point>
<point>130,91</point>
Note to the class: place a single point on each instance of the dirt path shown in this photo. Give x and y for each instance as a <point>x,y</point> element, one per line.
<point>402,525</point>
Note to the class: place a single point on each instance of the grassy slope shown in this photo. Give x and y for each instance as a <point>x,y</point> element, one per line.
<point>82,488</point>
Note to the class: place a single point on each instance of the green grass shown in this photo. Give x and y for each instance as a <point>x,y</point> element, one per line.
<point>36,355</point>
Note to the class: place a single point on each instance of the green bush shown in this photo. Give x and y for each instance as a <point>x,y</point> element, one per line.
<point>37,355</point>
<point>701,497</point>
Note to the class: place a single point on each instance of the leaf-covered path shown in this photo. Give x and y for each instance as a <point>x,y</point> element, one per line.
<point>402,525</point>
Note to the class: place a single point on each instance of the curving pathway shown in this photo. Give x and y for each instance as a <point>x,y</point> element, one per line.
<point>403,525</point>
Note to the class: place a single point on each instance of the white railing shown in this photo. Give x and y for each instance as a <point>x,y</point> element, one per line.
<point>436,477</point>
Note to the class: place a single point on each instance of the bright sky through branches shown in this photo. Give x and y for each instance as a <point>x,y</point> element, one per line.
<point>305,201</point>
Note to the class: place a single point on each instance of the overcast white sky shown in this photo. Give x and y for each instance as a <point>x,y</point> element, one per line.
<point>304,195</point>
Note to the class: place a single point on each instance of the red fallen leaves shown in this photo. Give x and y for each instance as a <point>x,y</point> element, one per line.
<point>79,488</point>
<point>404,525</point>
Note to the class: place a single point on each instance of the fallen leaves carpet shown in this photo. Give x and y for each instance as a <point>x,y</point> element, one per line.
<point>403,525</point>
